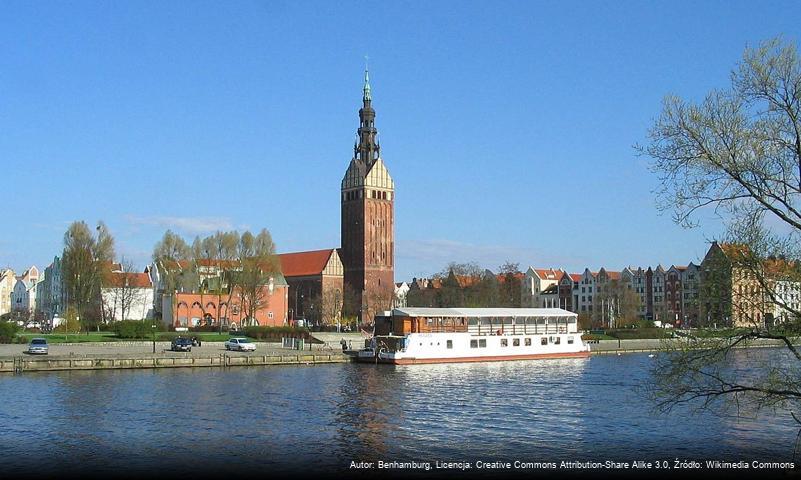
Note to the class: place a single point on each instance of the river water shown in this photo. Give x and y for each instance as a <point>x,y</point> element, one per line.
<point>323,417</point>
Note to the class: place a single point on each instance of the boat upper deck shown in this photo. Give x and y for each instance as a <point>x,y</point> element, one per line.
<point>477,321</point>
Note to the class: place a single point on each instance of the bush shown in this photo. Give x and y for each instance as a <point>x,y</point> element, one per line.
<point>261,333</point>
<point>208,328</point>
<point>8,330</point>
<point>135,329</point>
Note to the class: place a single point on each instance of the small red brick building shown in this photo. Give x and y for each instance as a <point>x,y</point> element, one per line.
<point>196,309</point>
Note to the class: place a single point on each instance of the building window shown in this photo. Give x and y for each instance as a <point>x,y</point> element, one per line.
<point>449,343</point>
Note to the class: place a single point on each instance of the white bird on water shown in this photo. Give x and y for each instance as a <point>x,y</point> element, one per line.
<point>651,355</point>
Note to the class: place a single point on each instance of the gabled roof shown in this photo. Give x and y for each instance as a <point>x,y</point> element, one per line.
<point>732,249</point>
<point>547,273</point>
<point>134,280</point>
<point>466,280</point>
<point>518,276</point>
<point>576,277</point>
<point>301,264</point>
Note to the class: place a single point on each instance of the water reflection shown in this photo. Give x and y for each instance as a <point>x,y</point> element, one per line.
<point>285,417</point>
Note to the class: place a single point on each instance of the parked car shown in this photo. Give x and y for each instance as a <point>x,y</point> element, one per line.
<point>241,344</point>
<point>38,346</point>
<point>181,344</point>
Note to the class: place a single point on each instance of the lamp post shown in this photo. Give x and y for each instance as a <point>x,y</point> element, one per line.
<point>153,327</point>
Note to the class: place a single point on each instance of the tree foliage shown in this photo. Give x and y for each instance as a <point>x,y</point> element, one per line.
<point>738,154</point>
<point>85,261</point>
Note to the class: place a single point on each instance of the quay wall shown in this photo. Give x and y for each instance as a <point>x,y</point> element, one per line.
<point>653,345</point>
<point>20,364</point>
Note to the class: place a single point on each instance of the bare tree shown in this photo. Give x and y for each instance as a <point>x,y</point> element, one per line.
<point>737,153</point>
<point>259,267</point>
<point>122,292</point>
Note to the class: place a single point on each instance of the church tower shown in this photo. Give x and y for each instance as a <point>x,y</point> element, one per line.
<point>368,235</point>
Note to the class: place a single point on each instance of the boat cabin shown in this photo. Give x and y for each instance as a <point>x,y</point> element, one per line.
<point>476,321</point>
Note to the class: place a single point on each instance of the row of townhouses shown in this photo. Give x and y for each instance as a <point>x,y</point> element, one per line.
<point>719,291</point>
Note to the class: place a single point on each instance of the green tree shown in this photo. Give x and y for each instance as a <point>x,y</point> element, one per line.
<point>85,261</point>
<point>738,154</point>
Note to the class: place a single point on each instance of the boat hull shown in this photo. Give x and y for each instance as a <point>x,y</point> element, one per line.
<point>492,358</point>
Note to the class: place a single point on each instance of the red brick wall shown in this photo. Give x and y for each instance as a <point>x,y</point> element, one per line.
<point>186,306</point>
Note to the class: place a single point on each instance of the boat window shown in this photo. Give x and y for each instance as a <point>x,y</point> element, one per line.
<point>450,343</point>
<point>556,340</point>
<point>544,341</point>
<point>473,343</point>
<point>486,321</point>
<point>516,342</point>
<point>504,342</point>
<point>482,343</point>
<point>472,321</point>
<point>528,342</point>
<point>569,339</point>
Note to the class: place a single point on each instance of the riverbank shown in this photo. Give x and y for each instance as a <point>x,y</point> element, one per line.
<point>133,355</point>
<point>601,347</point>
<point>128,355</point>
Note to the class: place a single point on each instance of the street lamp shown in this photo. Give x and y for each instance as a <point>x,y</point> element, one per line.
<point>153,326</point>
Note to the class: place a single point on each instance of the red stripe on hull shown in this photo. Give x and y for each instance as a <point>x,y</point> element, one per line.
<point>496,358</point>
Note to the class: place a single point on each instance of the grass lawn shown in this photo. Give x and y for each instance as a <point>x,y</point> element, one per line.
<point>111,337</point>
<point>597,336</point>
<point>72,337</point>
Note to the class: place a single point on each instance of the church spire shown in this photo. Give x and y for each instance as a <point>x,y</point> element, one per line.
<point>367,150</point>
<point>366,90</point>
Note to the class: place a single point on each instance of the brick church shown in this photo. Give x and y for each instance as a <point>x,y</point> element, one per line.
<point>358,278</point>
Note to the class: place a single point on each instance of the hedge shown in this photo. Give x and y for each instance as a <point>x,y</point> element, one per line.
<point>135,329</point>
<point>275,332</point>
<point>8,330</point>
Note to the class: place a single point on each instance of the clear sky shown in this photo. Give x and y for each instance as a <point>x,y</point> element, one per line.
<point>507,126</point>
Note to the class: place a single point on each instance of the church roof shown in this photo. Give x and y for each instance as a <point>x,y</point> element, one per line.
<point>300,264</point>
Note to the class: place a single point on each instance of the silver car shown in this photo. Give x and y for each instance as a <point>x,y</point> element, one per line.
<point>38,346</point>
<point>241,344</point>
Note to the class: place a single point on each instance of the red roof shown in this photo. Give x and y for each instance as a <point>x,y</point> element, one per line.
<point>548,274</point>
<point>613,275</point>
<point>576,277</point>
<point>518,276</point>
<point>134,280</point>
<point>300,264</point>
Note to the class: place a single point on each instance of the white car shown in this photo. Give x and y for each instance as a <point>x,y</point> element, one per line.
<point>241,344</point>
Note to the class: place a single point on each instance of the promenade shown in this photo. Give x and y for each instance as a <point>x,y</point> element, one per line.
<point>126,355</point>
<point>139,354</point>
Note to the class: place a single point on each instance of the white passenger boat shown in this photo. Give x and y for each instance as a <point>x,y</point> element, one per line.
<point>446,335</point>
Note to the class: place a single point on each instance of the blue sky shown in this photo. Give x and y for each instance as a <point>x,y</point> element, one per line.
<point>507,126</point>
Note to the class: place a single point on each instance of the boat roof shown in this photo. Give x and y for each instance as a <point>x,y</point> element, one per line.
<point>481,312</point>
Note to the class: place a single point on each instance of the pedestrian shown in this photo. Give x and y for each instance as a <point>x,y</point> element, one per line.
<point>344,344</point>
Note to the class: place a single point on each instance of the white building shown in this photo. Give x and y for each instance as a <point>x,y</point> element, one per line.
<point>401,290</point>
<point>127,296</point>
<point>7,281</point>
<point>788,299</point>
<point>536,281</point>
<point>586,287</point>
<point>23,297</point>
